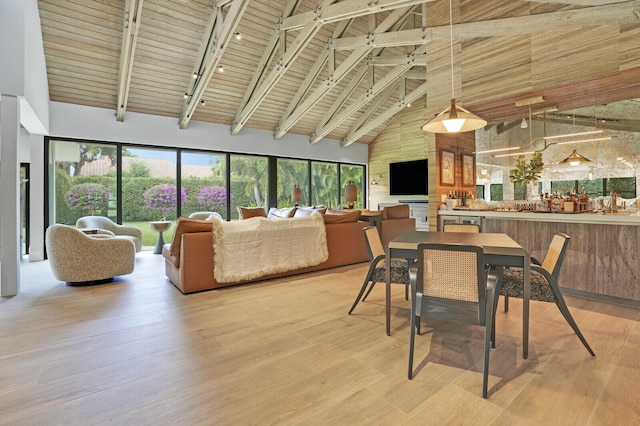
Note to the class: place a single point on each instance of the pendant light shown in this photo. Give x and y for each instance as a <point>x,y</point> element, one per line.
<point>575,159</point>
<point>454,118</point>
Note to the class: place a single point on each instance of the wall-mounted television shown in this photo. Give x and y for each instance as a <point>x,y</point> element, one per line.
<point>409,178</point>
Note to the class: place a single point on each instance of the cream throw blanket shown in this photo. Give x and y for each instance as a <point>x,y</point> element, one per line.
<point>251,248</point>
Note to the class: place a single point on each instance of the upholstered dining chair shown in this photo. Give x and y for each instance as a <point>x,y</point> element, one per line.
<point>461,227</point>
<point>544,283</point>
<point>377,266</point>
<point>449,281</point>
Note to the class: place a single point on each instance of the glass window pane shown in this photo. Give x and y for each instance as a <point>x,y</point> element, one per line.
<point>149,190</point>
<point>625,186</point>
<point>204,179</point>
<point>82,181</point>
<point>291,173</point>
<point>593,187</point>
<point>248,182</point>
<point>480,192</point>
<point>324,184</point>
<point>562,186</point>
<point>355,174</point>
<point>496,192</point>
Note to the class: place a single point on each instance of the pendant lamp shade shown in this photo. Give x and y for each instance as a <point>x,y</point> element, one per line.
<point>575,159</point>
<point>454,119</point>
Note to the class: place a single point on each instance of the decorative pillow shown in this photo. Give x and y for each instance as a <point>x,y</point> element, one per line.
<point>186,225</point>
<point>306,211</point>
<point>282,213</point>
<point>249,212</point>
<point>345,216</point>
<point>400,211</point>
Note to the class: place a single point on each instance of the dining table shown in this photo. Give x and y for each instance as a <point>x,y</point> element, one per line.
<point>500,250</point>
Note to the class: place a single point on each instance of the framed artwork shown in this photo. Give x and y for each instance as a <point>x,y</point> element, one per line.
<point>447,168</point>
<point>468,170</point>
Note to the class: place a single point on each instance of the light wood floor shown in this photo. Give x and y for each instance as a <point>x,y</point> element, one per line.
<point>138,352</point>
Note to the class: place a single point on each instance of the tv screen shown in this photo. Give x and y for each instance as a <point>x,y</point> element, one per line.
<point>409,178</point>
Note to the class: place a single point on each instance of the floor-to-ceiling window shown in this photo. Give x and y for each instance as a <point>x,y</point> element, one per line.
<point>82,181</point>
<point>292,174</point>
<point>203,176</point>
<point>352,174</point>
<point>325,187</point>
<point>249,182</point>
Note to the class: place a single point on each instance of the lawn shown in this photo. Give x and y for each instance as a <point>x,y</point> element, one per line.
<point>149,236</point>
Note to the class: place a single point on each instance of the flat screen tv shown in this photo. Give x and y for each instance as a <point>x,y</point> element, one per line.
<point>409,178</point>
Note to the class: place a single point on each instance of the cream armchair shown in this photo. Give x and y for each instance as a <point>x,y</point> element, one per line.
<point>100,222</point>
<point>76,257</point>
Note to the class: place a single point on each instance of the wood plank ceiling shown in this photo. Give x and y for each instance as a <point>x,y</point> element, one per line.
<point>323,68</point>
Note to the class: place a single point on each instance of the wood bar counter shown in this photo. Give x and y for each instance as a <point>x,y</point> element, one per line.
<point>603,257</point>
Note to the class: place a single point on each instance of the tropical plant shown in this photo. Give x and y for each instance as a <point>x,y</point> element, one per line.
<point>162,198</point>
<point>212,198</point>
<point>87,197</point>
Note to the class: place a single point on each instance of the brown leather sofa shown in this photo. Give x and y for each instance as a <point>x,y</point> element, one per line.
<point>189,258</point>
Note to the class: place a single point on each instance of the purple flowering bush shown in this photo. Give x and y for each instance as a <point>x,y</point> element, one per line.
<point>162,198</point>
<point>87,198</point>
<point>212,198</point>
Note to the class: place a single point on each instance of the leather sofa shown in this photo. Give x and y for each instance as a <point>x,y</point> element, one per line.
<point>189,260</point>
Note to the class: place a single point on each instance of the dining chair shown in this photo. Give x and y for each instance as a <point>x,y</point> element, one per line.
<point>450,281</point>
<point>461,227</point>
<point>544,283</point>
<point>377,267</point>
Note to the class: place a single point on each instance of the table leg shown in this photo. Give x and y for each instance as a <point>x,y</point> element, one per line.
<point>525,305</point>
<point>159,244</point>
<point>388,291</point>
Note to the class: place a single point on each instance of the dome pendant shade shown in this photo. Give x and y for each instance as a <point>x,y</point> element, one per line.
<point>454,119</point>
<point>574,159</point>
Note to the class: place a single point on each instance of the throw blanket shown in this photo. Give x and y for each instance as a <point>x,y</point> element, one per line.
<point>251,248</point>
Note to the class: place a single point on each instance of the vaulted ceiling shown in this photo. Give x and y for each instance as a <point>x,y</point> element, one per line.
<point>323,68</point>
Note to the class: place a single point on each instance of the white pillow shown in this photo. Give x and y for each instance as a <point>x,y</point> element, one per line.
<point>282,213</point>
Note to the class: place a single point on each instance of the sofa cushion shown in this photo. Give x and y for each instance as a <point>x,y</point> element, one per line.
<point>306,211</point>
<point>283,213</point>
<point>345,216</point>
<point>400,211</point>
<point>186,225</point>
<point>249,212</point>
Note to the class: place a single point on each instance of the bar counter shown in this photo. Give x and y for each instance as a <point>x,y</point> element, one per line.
<point>603,257</point>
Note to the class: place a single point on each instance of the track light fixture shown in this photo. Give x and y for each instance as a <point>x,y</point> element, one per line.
<point>237,35</point>
<point>220,68</point>
<point>202,102</point>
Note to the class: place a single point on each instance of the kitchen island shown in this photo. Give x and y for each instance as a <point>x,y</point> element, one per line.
<point>603,257</point>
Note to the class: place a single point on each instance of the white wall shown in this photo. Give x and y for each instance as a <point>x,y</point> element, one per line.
<point>80,122</point>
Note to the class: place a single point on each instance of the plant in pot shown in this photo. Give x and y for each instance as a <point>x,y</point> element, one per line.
<point>527,172</point>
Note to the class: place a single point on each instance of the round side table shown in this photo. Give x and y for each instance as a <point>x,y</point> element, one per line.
<point>160,226</point>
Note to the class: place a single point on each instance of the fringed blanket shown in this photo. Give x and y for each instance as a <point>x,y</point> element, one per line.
<point>251,248</point>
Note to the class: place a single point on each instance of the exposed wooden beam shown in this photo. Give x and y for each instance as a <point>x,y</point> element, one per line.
<point>398,60</point>
<point>390,78</point>
<point>355,134</point>
<point>290,54</point>
<point>132,15</point>
<point>347,9</point>
<point>341,71</point>
<point>325,57</point>
<point>219,34</point>
<point>627,13</point>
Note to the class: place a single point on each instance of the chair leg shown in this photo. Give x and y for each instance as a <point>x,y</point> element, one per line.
<point>362,289</point>
<point>564,309</point>
<point>489,337</point>
<point>412,339</point>
<point>506,303</point>
<point>368,291</point>
<point>406,292</point>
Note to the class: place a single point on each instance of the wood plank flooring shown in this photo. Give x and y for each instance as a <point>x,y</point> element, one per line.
<point>285,352</point>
